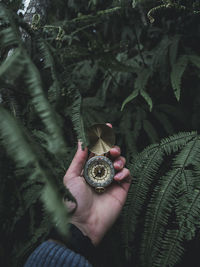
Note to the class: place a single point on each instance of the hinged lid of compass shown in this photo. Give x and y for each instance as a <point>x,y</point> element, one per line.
<point>101,138</point>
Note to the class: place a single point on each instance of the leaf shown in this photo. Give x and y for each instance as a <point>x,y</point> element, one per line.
<point>173,49</point>
<point>130,98</point>
<point>44,110</point>
<point>194,59</point>
<point>147,98</point>
<point>77,118</point>
<point>13,65</point>
<point>23,154</point>
<point>177,73</point>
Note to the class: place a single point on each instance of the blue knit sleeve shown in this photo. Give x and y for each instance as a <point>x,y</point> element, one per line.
<point>52,254</point>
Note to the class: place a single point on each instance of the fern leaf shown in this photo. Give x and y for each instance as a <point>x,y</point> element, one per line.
<point>174,143</point>
<point>177,73</point>
<point>33,81</point>
<point>21,152</point>
<point>157,216</point>
<point>145,169</point>
<point>50,63</point>
<point>77,119</point>
<point>173,241</point>
<point>12,67</point>
<point>9,35</point>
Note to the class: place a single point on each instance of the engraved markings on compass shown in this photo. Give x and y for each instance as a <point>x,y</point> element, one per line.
<point>99,171</point>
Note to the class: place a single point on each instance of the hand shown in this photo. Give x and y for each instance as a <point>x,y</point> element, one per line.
<point>95,212</point>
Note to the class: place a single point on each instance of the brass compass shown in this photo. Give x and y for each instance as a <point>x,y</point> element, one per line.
<point>99,171</point>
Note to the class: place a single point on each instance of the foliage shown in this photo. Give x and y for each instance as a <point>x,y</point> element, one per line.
<point>134,64</point>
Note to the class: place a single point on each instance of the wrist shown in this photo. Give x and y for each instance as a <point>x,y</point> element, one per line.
<point>88,229</point>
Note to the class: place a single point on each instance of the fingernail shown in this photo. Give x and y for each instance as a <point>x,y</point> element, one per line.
<point>80,146</point>
<point>118,164</point>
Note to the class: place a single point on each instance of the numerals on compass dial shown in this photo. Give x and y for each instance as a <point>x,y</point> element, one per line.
<point>99,171</point>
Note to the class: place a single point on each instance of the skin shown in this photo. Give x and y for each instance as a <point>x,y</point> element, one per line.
<point>95,212</point>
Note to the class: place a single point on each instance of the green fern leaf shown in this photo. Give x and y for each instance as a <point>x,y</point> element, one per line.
<point>9,35</point>
<point>173,248</point>
<point>145,170</point>
<point>12,67</point>
<point>157,215</point>
<point>33,81</point>
<point>77,118</point>
<point>20,150</point>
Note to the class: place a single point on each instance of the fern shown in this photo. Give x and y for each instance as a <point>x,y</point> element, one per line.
<point>77,118</point>
<point>49,62</point>
<point>145,170</point>
<point>23,155</point>
<point>13,66</point>
<point>172,251</point>
<point>157,216</point>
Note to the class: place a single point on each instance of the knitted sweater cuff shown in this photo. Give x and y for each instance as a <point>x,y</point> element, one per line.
<point>52,254</point>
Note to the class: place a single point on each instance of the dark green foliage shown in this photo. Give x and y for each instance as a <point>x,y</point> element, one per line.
<point>134,64</point>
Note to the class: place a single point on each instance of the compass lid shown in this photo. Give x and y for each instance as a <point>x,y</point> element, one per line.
<point>101,138</point>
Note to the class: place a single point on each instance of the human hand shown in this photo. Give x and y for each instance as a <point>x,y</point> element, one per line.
<point>95,212</point>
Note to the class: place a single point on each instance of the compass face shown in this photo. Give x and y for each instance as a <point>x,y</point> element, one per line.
<point>99,171</point>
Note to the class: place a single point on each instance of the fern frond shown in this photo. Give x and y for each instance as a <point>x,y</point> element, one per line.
<point>177,73</point>
<point>21,152</point>
<point>77,118</point>
<point>157,215</point>
<point>49,62</point>
<point>145,170</point>
<point>14,64</point>
<point>173,242</point>
<point>173,143</point>
<point>9,36</point>
<point>56,143</point>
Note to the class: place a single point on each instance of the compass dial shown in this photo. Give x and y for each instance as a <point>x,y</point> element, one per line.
<point>99,171</point>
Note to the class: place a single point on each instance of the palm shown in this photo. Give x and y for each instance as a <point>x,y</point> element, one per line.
<point>93,208</point>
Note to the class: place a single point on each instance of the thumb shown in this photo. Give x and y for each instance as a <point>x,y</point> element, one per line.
<point>78,162</point>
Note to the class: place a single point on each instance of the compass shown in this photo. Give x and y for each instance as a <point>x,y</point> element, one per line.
<point>99,171</point>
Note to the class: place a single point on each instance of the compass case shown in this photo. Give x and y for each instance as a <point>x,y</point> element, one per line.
<point>99,171</point>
